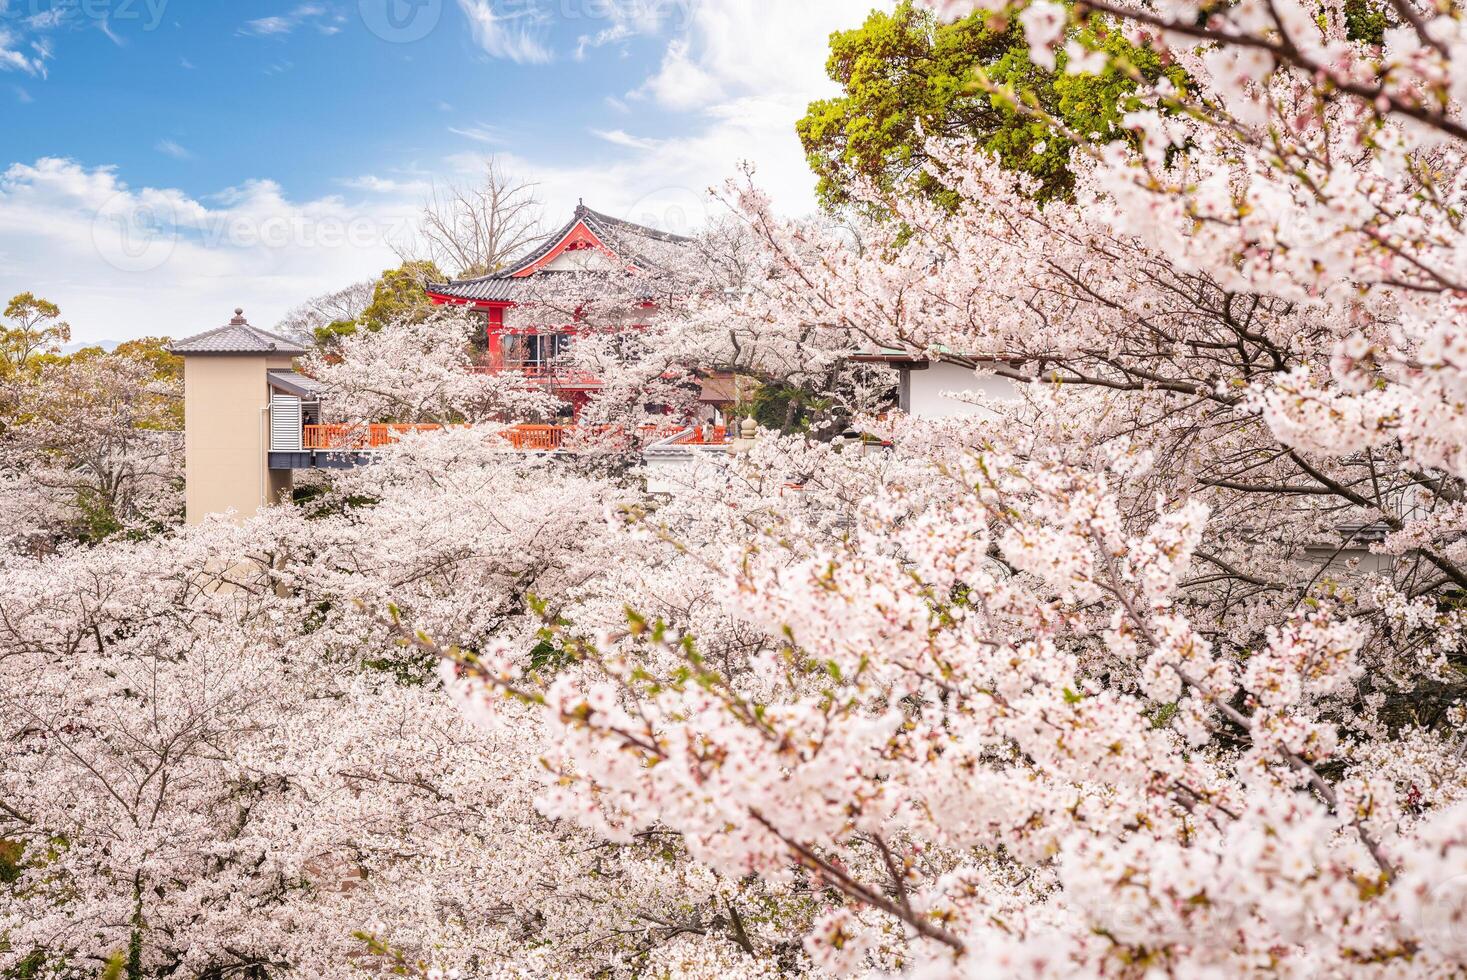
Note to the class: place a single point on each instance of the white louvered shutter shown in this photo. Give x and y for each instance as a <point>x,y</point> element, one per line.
<point>285,424</point>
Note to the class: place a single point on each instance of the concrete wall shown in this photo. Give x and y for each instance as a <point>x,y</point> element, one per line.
<point>226,435</point>
<point>925,398</point>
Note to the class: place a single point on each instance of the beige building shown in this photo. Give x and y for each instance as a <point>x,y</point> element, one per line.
<point>228,383</point>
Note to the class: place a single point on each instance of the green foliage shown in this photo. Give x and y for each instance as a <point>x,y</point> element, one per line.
<point>548,658</point>
<point>907,78</point>
<point>784,408</point>
<point>399,296</point>
<point>34,328</point>
<point>10,860</point>
<point>167,366</point>
<point>334,331</point>
<point>96,520</point>
<point>1365,21</point>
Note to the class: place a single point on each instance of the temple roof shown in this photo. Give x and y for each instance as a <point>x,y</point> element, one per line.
<point>237,337</point>
<point>632,243</point>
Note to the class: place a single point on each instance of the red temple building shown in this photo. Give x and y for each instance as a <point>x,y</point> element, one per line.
<point>592,241</point>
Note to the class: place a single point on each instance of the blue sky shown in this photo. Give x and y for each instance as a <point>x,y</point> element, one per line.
<point>166,160</point>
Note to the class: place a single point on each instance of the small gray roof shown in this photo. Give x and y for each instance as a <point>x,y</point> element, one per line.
<point>237,337</point>
<point>294,383</point>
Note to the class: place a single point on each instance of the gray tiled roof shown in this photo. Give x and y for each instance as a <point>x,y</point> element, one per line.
<point>293,383</point>
<point>496,288</point>
<point>627,239</point>
<point>238,337</point>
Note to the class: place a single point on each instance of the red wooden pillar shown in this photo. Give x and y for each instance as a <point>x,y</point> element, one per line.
<point>495,331</point>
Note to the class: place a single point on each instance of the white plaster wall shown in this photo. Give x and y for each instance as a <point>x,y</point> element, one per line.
<point>928,386</point>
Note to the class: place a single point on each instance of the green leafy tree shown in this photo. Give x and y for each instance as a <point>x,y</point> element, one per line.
<point>906,78</point>
<point>153,351</point>
<point>33,327</point>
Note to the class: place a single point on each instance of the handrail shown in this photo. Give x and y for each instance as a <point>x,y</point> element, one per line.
<point>552,371</point>
<point>526,438</point>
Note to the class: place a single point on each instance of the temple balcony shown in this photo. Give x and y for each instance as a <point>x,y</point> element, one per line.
<point>550,371</point>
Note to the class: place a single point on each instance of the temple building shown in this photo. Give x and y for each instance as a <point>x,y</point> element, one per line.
<point>590,242</point>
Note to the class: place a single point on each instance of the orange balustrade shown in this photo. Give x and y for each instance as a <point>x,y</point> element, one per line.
<point>356,437</point>
<point>536,438</point>
<point>526,438</point>
<point>551,372</point>
<point>706,435</point>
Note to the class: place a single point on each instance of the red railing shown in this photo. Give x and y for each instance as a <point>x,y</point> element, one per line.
<point>527,438</point>
<point>551,372</point>
<point>357,437</point>
<point>706,435</point>
<point>536,438</point>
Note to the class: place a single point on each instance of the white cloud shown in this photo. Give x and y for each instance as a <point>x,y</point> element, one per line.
<point>269,26</point>
<point>632,18</point>
<point>621,137</point>
<point>104,25</point>
<point>515,37</point>
<point>325,20</point>
<point>681,84</point>
<point>479,134</point>
<point>739,73</point>
<point>125,262</point>
<point>177,151</point>
<point>13,56</point>
<point>387,185</point>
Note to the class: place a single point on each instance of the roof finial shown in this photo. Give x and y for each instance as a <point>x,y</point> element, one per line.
<point>238,315</point>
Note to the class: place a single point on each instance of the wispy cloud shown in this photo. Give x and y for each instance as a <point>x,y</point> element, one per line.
<point>177,151</point>
<point>479,134</point>
<point>633,18</point>
<point>17,54</point>
<point>22,96</point>
<point>516,37</point>
<point>621,137</point>
<point>269,26</point>
<point>104,25</point>
<point>323,18</point>
<point>386,185</point>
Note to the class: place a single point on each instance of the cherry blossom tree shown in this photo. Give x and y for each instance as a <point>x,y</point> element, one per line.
<point>421,372</point>
<point>1156,669</point>
<point>92,450</point>
<point>1104,684</point>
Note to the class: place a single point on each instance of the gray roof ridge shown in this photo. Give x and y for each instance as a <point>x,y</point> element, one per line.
<point>267,341</point>
<point>593,217</point>
<point>646,231</point>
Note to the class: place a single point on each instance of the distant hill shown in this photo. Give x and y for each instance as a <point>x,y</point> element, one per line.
<point>106,345</point>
